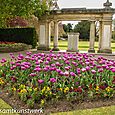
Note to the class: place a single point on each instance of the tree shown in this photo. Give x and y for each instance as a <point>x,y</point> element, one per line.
<point>67,27</point>
<point>24,8</point>
<point>83,28</point>
<point>113,24</point>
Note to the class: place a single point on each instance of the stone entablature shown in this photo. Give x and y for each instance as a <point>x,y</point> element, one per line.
<point>82,10</point>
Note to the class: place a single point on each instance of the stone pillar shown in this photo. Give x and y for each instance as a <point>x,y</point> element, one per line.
<point>73,39</point>
<point>105,34</point>
<point>100,35</point>
<point>70,41</point>
<point>44,36</point>
<point>92,37</point>
<point>55,42</point>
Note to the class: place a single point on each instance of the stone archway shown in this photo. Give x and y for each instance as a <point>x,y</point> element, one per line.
<point>104,16</point>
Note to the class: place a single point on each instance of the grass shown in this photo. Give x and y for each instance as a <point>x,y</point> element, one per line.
<point>4,106</point>
<point>110,110</point>
<point>83,45</point>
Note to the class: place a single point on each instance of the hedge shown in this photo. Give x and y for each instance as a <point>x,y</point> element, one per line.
<point>19,35</point>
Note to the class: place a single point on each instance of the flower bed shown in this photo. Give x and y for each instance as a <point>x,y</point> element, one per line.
<point>6,47</point>
<point>39,78</point>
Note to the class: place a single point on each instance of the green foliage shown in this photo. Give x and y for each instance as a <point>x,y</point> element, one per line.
<point>114,23</point>
<point>113,35</point>
<point>19,35</point>
<point>12,8</point>
<point>67,28</point>
<point>83,28</point>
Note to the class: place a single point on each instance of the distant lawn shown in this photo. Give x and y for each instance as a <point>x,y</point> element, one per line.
<point>97,111</point>
<point>83,45</point>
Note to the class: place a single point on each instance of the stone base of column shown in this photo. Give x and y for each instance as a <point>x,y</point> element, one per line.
<point>91,51</point>
<point>72,50</point>
<point>104,51</point>
<point>44,48</point>
<point>55,49</point>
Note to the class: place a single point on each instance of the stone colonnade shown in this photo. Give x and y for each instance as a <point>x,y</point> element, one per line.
<point>105,33</point>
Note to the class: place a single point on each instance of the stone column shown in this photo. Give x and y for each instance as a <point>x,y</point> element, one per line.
<point>92,37</point>
<point>100,35</point>
<point>73,39</point>
<point>44,36</point>
<point>105,34</point>
<point>48,35</point>
<point>55,45</point>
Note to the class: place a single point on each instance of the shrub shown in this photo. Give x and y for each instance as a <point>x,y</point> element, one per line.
<point>19,35</point>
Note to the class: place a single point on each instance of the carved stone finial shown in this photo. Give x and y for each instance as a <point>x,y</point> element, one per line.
<point>54,5</point>
<point>107,4</point>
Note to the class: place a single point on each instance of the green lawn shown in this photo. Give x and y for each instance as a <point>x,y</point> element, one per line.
<point>83,45</point>
<point>4,106</point>
<point>97,111</point>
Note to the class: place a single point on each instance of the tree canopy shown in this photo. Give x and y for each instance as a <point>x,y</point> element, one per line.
<point>24,8</point>
<point>83,28</point>
<point>67,28</point>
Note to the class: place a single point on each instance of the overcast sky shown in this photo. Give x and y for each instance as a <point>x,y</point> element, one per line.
<point>83,3</point>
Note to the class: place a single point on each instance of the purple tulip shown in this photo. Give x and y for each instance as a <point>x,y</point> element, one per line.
<point>45,69</point>
<point>66,73</point>
<point>53,80</point>
<point>58,70</point>
<point>78,70</point>
<point>37,62</point>
<point>52,65</point>
<point>32,74</point>
<point>100,70</point>
<point>93,71</point>
<point>57,64</point>
<point>37,69</point>
<point>26,66</point>
<point>13,79</point>
<point>61,73</point>
<point>72,74</point>
<point>113,70</point>
<point>67,62</point>
<point>67,68</point>
<point>3,60</point>
<point>40,81</point>
<point>83,70</point>
<point>47,62</point>
<point>23,68</point>
<point>87,68</point>
<point>12,63</point>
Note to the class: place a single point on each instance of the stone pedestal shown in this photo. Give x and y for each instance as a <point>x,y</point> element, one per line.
<point>44,36</point>
<point>92,37</point>
<point>73,39</point>
<point>105,36</point>
<point>55,43</point>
